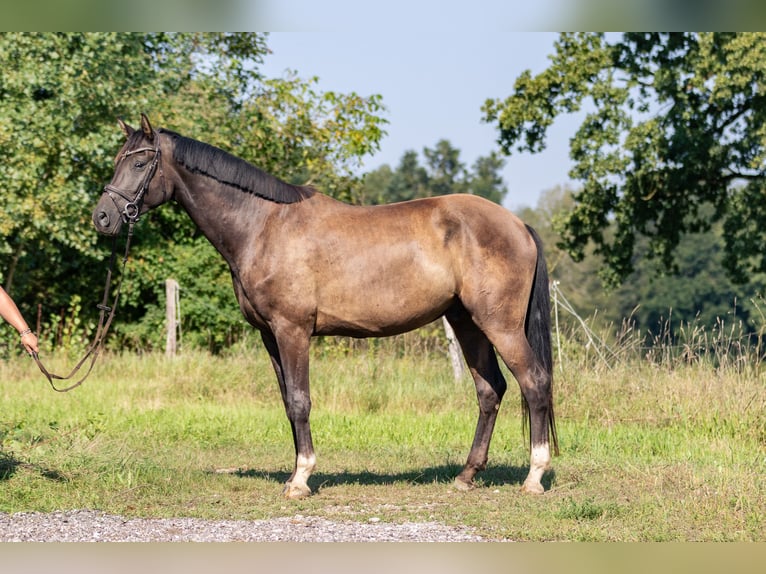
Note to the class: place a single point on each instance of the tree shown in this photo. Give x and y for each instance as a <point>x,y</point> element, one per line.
<point>656,302</point>
<point>442,174</point>
<point>410,180</point>
<point>578,280</point>
<point>673,141</point>
<point>486,180</point>
<point>447,174</point>
<point>60,95</point>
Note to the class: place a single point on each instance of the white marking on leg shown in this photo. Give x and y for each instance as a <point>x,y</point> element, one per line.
<point>304,466</point>
<point>539,460</point>
<point>297,486</point>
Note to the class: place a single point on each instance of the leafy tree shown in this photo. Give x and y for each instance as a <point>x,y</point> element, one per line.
<point>486,180</point>
<point>409,181</point>
<point>59,97</point>
<point>53,102</point>
<point>673,141</point>
<point>442,174</point>
<point>578,280</point>
<point>697,293</point>
<point>656,302</point>
<point>377,184</point>
<point>447,173</point>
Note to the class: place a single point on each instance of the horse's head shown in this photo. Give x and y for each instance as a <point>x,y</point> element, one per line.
<point>134,189</point>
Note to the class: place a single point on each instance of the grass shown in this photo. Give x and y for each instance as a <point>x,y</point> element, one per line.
<point>650,452</point>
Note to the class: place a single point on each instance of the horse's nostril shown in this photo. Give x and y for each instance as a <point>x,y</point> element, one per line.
<point>103,219</point>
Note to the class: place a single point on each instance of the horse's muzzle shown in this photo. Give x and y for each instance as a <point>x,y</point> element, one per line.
<point>106,224</point>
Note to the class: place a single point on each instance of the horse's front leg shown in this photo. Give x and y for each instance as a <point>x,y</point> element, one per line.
<point>289,351</point>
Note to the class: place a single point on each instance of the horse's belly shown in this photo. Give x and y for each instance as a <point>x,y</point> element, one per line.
<point>374,325</point>
<point>381,312</point>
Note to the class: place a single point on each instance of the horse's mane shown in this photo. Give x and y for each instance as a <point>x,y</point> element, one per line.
<point>205,159</point>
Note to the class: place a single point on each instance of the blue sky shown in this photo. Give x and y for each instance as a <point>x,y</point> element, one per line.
<point>434,81</point>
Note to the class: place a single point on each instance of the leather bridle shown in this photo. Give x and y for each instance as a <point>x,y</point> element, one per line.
<point>134,199</point>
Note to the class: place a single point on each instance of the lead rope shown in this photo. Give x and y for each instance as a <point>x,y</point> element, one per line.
<point>104,322</point>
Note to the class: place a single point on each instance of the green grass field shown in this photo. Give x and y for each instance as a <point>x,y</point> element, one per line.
<point>649,453</point>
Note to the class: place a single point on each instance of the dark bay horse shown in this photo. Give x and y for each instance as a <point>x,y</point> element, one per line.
<point>304,264</point>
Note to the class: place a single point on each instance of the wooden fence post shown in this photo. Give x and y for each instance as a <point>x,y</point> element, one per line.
<point>454,351</point>
<point>172,316</point>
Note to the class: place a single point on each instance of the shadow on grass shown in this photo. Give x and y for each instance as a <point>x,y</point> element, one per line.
<point>493,477</point>
<point>9,465</point>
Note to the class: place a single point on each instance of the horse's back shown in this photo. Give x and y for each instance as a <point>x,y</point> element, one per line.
<point>447,216</point>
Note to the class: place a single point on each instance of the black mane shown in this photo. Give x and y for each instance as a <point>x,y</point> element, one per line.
<point>205,159</point>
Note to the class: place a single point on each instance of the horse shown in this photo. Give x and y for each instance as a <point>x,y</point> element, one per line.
<point>304,264</point>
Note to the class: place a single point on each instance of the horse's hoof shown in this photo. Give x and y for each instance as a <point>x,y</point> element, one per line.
<point>296,491</point>
<point>462,485</point>
<point>530,487</point>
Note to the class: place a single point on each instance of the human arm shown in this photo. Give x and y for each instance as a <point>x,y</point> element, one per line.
<point>10,312</point>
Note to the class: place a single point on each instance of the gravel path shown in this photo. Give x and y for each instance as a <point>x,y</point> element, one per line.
<point>93,526</point>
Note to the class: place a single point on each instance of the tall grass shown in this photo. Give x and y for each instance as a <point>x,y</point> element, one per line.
<point>728,345</point>
<point>657,444</point>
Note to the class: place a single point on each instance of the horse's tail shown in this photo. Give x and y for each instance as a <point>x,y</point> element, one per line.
<point>538,332</point>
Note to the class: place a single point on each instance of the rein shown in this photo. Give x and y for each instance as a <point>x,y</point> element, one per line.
<point>104,322</point>
<point>130,214</point>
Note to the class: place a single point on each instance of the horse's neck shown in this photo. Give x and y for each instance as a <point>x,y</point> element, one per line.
<point>225,215</point>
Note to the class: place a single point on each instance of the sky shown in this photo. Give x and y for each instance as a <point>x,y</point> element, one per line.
<point>433,82</point>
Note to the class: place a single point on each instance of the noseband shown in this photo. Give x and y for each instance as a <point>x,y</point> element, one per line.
<point>134,199</point>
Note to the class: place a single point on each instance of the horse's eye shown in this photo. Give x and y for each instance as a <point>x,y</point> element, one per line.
<point>139,164</point>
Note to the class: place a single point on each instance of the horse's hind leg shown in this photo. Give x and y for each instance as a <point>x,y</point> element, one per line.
<point>535,384</point>
<point>490,388</point>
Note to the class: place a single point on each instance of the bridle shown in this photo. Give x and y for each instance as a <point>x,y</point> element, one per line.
<point>130,214</point>
<point>132,208</point>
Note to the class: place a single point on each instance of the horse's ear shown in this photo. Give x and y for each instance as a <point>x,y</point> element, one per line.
<point>146,127</point>
<point>126,129</point>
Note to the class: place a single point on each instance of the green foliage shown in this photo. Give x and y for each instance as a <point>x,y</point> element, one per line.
<point>54,145</point>
<point>210,315</point>
<point>673,140</point>
<point>661,304</point>
<point>443,174</point>
<point>60,95</point>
